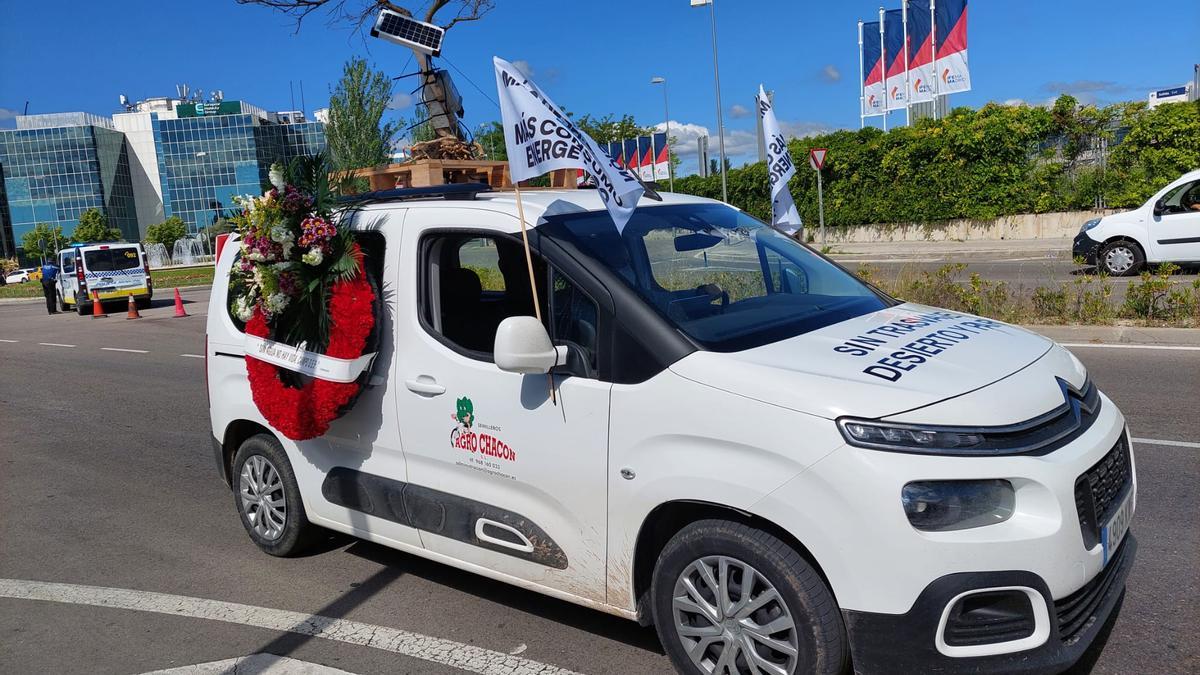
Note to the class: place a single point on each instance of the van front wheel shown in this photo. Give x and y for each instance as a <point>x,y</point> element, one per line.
<point>268,498</point>
<point>729,598</point>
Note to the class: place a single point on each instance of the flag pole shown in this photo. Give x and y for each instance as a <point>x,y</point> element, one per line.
<point>907,85</point>
<point>862,99</point>
<point>933,54</point>
<point>883,69</point>
<point>533,286</point>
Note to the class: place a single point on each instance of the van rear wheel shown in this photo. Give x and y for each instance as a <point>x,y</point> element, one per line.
<point>729,598</point>
<point>268,498</point>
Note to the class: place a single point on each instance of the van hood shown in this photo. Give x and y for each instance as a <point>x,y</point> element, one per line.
<point>880,364</point>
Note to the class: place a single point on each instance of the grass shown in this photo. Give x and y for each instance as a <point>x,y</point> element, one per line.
<point>163,279</point>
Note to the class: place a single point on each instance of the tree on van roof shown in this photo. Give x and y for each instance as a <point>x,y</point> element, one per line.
<point>93,226</point>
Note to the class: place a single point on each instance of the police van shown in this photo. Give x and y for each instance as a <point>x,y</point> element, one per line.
<point>780,467</point>
<point>113,271</point>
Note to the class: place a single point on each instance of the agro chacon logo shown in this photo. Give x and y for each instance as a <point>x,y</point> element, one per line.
<point>464,437</point>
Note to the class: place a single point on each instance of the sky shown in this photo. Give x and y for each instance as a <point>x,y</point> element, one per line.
<point>590,57</point>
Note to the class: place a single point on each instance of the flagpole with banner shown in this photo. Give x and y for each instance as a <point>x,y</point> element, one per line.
<point>780,170</point>
<point>883,65</point>
<point>933,53</point>
<point>862,92</point>
<point>907,83</point>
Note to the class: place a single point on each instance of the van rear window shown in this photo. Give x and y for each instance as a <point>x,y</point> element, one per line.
<point>111,259</point>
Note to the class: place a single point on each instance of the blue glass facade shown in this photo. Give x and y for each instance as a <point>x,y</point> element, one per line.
<point>53,174</point>
<point>203,162</point>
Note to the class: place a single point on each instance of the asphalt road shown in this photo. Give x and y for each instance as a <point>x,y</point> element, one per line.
<point>106,480</point>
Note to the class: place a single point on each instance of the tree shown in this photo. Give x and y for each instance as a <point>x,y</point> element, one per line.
<point>491,139</point>
<point>609,128</point>
<point>361,12</point>
<point>356,134</point>
<point>44,239</point>
<point>166,232</point>
<point>93,226</point>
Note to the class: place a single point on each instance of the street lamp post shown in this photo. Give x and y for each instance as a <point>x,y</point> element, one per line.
<point>712,9</point>
<point>667,121</point>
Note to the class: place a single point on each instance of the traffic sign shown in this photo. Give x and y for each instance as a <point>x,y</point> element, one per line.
<point>816,158</point>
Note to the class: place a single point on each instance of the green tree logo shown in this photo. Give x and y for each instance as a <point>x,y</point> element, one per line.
<point>466,412</point>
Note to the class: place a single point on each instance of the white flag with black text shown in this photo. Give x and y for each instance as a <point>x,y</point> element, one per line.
<point>780,169</point>
<point>539,138</point>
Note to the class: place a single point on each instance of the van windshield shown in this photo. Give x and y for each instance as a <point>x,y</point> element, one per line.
<point>725,279</point>
<point>112,259</point>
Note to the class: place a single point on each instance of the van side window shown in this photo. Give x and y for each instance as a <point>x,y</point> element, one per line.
<point>473,282</point>
<point>68,262</point>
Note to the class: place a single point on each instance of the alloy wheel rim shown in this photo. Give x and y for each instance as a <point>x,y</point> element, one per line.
<point>1119,259</point>
<point>731,620</point>
<point>263,500</point>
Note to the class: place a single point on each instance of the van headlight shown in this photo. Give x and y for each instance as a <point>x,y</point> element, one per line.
<point>913,438</point>
<point>948,505</point>
<point>1089,224</point>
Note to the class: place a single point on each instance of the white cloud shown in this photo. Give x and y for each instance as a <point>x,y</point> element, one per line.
<point>400,101</point>
<point>830,73</point>
<point>8,114</point>
<point>737,111</point>
<point>523,66</point>
<point>1015,101</point>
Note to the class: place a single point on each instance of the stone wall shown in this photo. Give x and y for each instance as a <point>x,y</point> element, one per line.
<point>1060,225</point>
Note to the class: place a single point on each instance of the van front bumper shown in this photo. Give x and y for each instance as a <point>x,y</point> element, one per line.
<point>1084,247</point>
<point>901,642</point>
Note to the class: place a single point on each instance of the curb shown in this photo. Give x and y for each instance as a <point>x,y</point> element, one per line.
<point>1120,335</point>
<point>39,298</point>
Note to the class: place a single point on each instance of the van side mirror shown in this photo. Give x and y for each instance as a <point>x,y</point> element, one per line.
<point>1159,207</point>
<point>523,346</point>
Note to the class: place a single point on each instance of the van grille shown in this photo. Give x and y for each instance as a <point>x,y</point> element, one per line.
<point>1075,610</point>
<point>1100,490</point>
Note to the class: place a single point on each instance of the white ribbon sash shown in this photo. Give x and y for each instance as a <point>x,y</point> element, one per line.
<point>302,361</point>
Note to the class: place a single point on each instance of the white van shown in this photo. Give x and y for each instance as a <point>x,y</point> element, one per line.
<point>114,271</point>
<point>782,468</point>
<point>1164,229</point>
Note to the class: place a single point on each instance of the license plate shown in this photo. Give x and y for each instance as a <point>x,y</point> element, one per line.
<point>1113,532</point>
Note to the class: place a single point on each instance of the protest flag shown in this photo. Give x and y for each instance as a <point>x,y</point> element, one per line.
<point>780,169</point>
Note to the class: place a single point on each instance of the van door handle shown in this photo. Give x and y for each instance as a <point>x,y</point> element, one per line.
<point>522,544</point>
<point>425,385</point>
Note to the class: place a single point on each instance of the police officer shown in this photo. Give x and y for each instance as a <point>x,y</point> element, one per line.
<point>49,283</point>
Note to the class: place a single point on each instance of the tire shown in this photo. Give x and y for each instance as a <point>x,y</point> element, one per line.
<point>1120,258</point>
<point>283,534</point>
<point>142,303</point>
<point>62,305</point>
<point>816,634</point>
<point>83,308</point>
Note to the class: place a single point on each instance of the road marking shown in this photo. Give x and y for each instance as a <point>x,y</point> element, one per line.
<point>54,344</point>
<point>192,356</point>
<point>436,650</point>
<point>255,663</point>
<point>131,351</point>
<point>9,340</point>
<point>1178,444</point>
<point>1104,346</point>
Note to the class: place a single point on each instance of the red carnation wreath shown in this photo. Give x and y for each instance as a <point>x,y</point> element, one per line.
<point>306,412</point>
<point>301,280</point>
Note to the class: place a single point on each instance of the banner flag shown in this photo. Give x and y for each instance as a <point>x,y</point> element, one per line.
<point>952,46</point>
<point>780,169</point>
<point>646,165</point>
<point>539,138</point>
<point>873,69</point>
<point>920,52</point>
<point>662,158</point>
<point>893,41</point>
<point>617,151</point>
<point>630,150</point>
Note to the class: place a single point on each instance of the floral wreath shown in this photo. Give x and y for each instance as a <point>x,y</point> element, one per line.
<point>301,280</point>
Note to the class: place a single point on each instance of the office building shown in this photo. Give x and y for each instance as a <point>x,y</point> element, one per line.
<point>57,166</point>
<point>160,157</point>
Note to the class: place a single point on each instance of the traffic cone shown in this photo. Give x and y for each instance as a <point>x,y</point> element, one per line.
<point>179,305</point>
<point>133,310</point>
<point>97,306</point>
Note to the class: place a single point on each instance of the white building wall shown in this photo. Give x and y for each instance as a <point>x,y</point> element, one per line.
<point>138,128</point>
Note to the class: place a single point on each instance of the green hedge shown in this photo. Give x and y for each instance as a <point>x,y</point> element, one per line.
<point>995,161</point>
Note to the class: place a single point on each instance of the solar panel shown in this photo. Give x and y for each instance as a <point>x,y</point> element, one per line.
<point>409,32</point>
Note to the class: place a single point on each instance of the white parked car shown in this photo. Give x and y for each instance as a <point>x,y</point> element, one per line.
<point>1164,229</point>
<point>781,468</point>
<point>20,276</point>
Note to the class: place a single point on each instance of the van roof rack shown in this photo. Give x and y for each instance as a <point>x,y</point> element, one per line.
<point>453,191</point>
